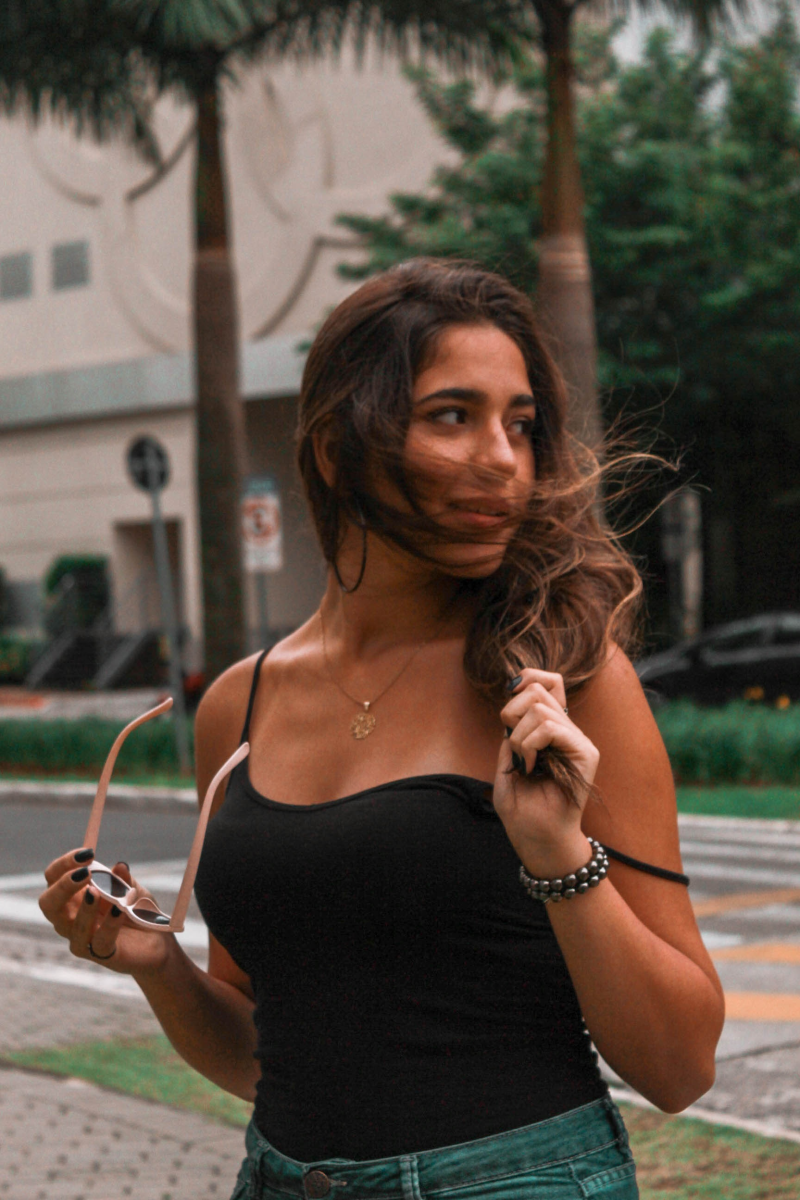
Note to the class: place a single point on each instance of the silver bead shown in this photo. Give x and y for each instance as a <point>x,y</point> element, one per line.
<point>556,885</point>
<point>593,882</point>
<point>569,881</point>
<point>544,885</point>
<point>569,893</point>
<point>583,874</point>
<point>554,897</point>
<point>582,887</point>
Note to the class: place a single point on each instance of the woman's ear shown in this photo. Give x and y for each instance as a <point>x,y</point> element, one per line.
<point>325,452</point>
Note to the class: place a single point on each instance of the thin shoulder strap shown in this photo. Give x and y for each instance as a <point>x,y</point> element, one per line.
<point>648,868</point>
<point>251,700</point>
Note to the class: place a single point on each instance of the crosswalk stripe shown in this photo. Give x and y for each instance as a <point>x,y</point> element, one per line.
<point>95,979</point>
<point>762,1006</point>
<point>771,952</point>
<point>790,841</point>
<point>717,905</point>
<point>751,853</point>
<point>702,869</point>
<point>27,912</point>
<point>20,883</point>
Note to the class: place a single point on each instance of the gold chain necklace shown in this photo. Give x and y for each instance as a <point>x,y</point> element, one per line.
<point>364,722</point>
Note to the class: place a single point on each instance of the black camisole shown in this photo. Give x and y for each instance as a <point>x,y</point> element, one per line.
<point>409,993</point>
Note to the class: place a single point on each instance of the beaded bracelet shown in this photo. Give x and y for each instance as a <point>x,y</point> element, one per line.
<point>587,877</point>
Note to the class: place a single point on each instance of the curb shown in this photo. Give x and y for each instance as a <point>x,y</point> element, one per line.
<point>80,795</point>
<point>696,1112</point>
<point>184,800</point>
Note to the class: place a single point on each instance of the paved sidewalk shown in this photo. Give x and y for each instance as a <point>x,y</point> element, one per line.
<point>68,1140</point>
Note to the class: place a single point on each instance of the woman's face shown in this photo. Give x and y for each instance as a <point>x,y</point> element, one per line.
<point>469,448</point>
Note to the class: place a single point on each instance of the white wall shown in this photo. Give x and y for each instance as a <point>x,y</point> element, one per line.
<point>301,147</point>
<point>63,489</point>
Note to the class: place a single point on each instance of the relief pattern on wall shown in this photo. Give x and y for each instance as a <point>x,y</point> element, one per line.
<point>301,146</point>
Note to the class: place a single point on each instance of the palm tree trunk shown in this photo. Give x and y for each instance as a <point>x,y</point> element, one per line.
<point>221,450</point>
<point>564,291</point>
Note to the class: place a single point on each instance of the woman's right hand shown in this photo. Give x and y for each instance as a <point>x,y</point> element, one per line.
<point>86,919</point>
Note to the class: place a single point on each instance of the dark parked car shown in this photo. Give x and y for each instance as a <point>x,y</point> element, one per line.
<point>754,659</point>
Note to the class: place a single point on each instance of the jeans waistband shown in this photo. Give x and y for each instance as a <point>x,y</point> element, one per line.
<point>546,1143</point>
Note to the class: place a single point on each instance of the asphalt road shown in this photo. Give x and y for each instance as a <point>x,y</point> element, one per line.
<point>32,835</point>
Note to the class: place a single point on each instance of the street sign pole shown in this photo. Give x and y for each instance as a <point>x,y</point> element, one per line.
<point>262,539</point>
<point>261,602</point>
<point>149,467</point>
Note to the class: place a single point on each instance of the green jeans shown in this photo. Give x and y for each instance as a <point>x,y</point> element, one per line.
<point>582,1153</point>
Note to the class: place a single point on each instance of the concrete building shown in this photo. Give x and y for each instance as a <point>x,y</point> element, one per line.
<point>95,255</point>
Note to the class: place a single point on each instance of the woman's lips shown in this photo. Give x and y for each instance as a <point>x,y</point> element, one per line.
<point>478,519</point>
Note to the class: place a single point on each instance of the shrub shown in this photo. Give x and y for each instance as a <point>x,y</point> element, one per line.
<point>741,743</point>
<point>17,655</point>
<point>40,747</point>
<point>88,597</point>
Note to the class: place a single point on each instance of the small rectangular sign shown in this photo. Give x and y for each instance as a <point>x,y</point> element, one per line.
<point>262,525</point>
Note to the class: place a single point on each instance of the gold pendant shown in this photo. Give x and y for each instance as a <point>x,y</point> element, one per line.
<point>363,725</point>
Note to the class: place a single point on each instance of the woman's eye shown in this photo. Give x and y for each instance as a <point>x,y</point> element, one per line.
<point>523,426</point>
<point>449,416</point>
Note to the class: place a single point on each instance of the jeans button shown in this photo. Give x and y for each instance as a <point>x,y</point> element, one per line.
<point>317,1185</point>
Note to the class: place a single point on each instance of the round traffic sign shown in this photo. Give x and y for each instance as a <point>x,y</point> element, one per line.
<point>148,464</point>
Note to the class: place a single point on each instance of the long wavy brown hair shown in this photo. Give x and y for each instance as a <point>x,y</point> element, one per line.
<point>566,588</point>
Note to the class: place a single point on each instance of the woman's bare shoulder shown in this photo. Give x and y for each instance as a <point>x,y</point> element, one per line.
<point>224,703</point>
<point>221,713</point>
<point>634,777</point>
<point>613,697</point>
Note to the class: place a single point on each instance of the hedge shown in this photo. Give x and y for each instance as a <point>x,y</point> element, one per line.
<point>741,743</point>
<point>79,747</point>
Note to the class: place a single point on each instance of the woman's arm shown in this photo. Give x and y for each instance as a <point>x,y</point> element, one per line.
<point>207,1015</point>
<point>647,989</point>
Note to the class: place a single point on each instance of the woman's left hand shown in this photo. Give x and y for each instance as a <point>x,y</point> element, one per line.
<point>542,824</point>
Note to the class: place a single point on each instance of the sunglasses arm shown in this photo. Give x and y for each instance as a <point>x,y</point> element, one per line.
<point>185,893</point>
<point>95,816</point>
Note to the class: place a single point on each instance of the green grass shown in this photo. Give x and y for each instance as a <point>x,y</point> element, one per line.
<point>147,1067</point>
<point>678,1159</point>
<point>770,803</point>
<point>682,1159</point>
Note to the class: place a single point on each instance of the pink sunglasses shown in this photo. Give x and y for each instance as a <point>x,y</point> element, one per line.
<point>142,911</point>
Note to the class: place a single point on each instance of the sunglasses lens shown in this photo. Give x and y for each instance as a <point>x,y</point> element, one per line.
<point>109,885</point>
<point>147,914</point>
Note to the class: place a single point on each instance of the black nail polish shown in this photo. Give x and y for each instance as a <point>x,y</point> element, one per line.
<point>517,762</point>
<point>89,897</point>
<point>116,912</point>
<point>512,683</point>
<point>79,875</point>
<point>508,731</point>
<point>84,855</point>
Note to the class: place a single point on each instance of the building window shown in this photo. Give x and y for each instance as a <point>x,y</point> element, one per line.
<point>70,265</point>
<point>16,276</point>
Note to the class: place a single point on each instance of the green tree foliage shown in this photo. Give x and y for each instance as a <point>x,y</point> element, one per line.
<point>691,170</point>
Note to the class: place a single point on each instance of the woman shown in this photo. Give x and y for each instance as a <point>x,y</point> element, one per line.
<point>410,1011</point>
